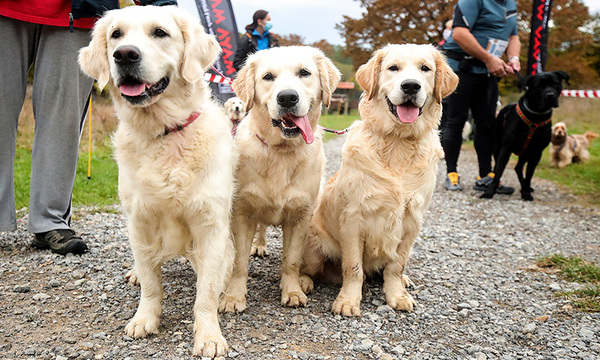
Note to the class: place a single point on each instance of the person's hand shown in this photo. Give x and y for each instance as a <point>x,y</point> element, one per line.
<point>496,67</point>
<point>514,63</point>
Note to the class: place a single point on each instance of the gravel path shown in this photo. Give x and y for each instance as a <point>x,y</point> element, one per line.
<point>479,293</point>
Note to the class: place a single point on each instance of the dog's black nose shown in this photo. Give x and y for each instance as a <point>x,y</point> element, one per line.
<point>287,98</point>
<point>410,87</point>
<point>127,55</point>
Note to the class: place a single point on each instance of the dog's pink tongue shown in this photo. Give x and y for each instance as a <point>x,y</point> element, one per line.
<point>407,113</point>
<point>132,90</point>
<point>304,125</point>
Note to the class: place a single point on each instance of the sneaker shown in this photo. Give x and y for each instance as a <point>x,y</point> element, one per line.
<point>60,241</point>
<point>453,182</point>
<point>481,184</point>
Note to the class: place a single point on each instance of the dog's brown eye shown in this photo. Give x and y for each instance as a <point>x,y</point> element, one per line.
<point>116,34</point>
<point>425,68</point>
<point>303,73</point>
<point>159,33</point>
<point>268,77</point>
<point>393,68</point>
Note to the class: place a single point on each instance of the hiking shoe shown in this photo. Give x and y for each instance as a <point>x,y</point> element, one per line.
<point>60,241</point>
<point>481,184</point>
<point>453,182</point>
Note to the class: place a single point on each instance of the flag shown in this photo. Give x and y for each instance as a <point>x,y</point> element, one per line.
<point>538,38</point>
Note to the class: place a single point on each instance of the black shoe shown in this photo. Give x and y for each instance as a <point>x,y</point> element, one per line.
<point>60,241</point>
<point>481,184</point>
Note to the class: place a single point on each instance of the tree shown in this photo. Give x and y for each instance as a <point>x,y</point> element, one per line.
<point>290,39</point>
<point>394,22</point>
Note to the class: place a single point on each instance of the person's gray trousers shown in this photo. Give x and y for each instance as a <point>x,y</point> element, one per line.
<point>60,95</point>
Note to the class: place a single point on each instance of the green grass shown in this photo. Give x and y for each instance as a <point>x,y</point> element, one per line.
<point>337,122</point>
<point>577,270</point>
<point>100,190</point>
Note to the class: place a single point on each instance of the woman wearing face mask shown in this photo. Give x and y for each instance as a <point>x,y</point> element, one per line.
<point>256,38</point>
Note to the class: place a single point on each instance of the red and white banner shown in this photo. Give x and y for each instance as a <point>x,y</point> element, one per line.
<point>582,93</point>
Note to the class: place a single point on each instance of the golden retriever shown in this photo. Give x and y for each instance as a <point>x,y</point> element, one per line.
<point>281,159</point>
<point>175,156</point>
<point>566,149</point>
<point>371,211</point>
<point>236,111</point>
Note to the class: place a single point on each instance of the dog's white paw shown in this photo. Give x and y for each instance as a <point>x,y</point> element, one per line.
<point>232,304</point>
<point>403,301</point>
<point>345,307</point>
<point>293,298</point>
<point>132,278</point>
<point>142,326</point>
<point>210,346</point>
<point>259,250</point>
<point>307,284</point>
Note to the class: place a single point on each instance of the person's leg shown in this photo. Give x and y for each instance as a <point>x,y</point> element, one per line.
<point>457,110</point>
<point>60,95</point>
<point>15,57</point>
<point>483,106</point>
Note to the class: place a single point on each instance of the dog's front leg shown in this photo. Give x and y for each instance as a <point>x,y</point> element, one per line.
<point>211,272</point>
<point>294,237</point>
<point>394,280</point>
<point>148,271</point>
<point>499,166</point>
<point>532,163</point>
<point>348,300</point>
<point>234,298</point>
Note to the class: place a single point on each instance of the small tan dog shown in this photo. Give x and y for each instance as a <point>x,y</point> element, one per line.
<point>371,213</point>
<point>175,155</point>
<point>281,159</point>
<point>566,149</point>
<point>236,111</point>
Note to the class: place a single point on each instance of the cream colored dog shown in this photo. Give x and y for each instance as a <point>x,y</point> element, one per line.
<point>175,157</point>
<point>236,111</point>
<point>281,159</point>
<point>566,149</point>
<point>370,214</point>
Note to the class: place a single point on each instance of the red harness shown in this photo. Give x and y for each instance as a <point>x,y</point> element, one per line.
<point>188,121</point>
<point>532,128</point>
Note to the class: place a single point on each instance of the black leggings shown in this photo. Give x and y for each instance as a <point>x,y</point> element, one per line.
<point>479,92</point>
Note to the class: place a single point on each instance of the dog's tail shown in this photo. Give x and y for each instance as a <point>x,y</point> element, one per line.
<point>590,136</point>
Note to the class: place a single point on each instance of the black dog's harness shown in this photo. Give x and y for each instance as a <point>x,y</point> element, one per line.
<point>532,128</point>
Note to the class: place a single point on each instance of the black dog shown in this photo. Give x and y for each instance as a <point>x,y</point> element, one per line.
<point>525,129</point>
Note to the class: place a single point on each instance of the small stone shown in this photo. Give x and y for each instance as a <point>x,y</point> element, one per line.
<point>303,355</point>
<point>463,312</point>
<point>586,333</point>
<point>59,357</point>
<point>462,306</point>
<point>387,357</point>
<point>399,350</point>
<point>529,328</point>
<point>555,287</point>
<point>54,283</point>
<point>542,318</point>
<point>384,309</point>
<point>22,289</point>
<point>298,319</point>
<point>41,296</point>
<point>376,349</point>
<point>87,346</point>
<point>70,340</point>
<point>78,274</point>
<point>367,342</point>
<point>127,338</point>
<point>480,356</point>
<point>29,351</point>
<point>233,354</point>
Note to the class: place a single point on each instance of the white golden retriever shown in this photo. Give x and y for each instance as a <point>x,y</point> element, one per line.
<point>281,159</point>
<point>175,157</point>
<point>236,111</point>
<point>371,211</point>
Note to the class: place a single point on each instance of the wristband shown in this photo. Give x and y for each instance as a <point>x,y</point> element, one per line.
<point>513,58</point>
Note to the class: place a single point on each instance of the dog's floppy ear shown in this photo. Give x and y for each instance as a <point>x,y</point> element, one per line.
<point>367,74</point>
<point>563,76</point>
<point>446,80</point>
<point>93,59</point>
<point>524,82</point>
<point>200,49</point>
<point>244,83</point>
<point>329,76</point>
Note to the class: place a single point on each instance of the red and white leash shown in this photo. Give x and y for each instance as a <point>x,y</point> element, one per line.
<point>581,93</point>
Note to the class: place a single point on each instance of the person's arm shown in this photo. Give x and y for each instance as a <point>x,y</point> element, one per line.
<point>242,52</point>
<point>469,44</point>
<point>512,51</point>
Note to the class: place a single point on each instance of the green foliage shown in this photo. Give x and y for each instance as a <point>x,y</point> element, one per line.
<point>577,270</point>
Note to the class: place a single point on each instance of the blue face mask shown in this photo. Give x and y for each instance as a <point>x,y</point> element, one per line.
<point>268,25</point>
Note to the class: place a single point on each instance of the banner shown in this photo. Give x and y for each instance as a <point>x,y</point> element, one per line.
<point>218,20</point>
<point>538,38</point>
